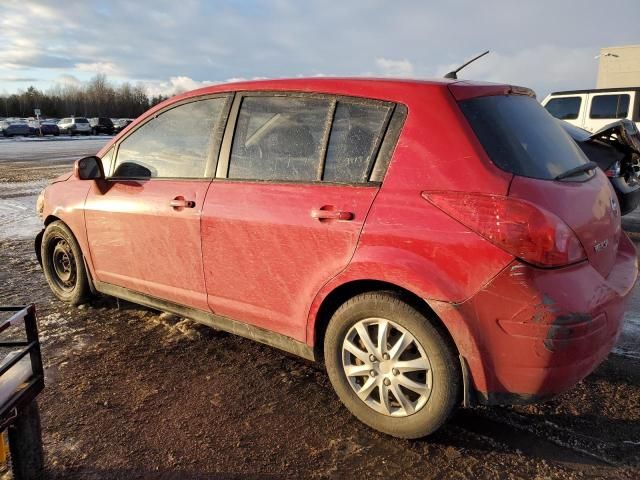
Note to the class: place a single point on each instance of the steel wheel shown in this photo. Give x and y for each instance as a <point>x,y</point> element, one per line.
<point>387,367</point>
<point>64,265</point>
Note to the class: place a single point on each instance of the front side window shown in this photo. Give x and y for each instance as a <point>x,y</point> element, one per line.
<point>279,138</point>
<point>175,144</point>
<point>609,106</point>
<point>355,133</point>
<point>564,108</point>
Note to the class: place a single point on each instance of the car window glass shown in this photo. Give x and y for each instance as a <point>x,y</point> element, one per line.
<point>279,138</point>
<point>173,145</point>
<point>520,137</point>
<point>609,106</point>
<point>564,108</point>
<point>355,133</point>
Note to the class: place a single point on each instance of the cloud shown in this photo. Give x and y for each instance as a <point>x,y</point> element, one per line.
<point>174,86</point>
<point>107,68</point>
<point>395,68</point>
<point>545,67</point>
<point>69,80</point>
<point>18,79</point>
<point>161,41</point>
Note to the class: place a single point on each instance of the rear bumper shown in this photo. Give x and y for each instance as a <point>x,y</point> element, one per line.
<point>532,333</point>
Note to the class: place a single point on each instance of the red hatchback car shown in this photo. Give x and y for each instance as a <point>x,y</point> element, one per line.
<point>435,243</point>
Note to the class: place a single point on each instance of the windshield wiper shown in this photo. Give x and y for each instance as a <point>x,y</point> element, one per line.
<point>577,170</point>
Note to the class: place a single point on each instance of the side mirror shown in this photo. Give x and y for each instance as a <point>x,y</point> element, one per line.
<point>88,168</point>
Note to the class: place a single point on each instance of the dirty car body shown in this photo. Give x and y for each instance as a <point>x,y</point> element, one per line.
<point>516,254</point>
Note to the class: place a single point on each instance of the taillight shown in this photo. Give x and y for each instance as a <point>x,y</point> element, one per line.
<point>613,170</point>
<point>519,227</point>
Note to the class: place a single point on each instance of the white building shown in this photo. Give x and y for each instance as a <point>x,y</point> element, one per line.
<point>619,67</point>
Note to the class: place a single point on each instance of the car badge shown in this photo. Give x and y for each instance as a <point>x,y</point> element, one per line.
<point>614,205</point>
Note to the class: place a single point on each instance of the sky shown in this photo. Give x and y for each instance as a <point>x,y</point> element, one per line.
<point>171,46</point>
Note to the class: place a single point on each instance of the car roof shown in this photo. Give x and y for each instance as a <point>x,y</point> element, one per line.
<point>597,90</point>
<point>370,87</point>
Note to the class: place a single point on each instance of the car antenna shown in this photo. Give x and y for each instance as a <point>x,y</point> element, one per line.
<point>454,74</point>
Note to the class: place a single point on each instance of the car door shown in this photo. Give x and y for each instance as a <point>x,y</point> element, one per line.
<point>605,108</point>
<point>143,221</point>
<point>279,221</point>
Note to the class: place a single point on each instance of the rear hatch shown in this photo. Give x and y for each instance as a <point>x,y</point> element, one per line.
<point>549,169</point>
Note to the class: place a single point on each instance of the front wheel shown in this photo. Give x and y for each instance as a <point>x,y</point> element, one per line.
<point>391,366</point>
<point>63,264</point>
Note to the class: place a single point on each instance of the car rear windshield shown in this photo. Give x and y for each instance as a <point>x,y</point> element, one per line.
<point>81,120</point>
<point>521,137</point>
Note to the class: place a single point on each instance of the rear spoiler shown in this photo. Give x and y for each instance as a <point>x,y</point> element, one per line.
<point>465,90</point>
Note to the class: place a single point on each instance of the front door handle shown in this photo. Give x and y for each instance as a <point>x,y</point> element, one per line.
<point>329,212</point>
<point>181,202</point>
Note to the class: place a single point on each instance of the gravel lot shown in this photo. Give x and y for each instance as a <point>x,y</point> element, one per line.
<point>134,394</point>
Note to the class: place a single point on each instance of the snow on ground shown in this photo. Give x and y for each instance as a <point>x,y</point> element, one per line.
<point>44,157</point>
<point>49,149</point>
<point>18,217</point>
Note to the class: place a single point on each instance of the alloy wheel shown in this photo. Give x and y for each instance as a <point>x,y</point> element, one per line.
<point>387,367</point>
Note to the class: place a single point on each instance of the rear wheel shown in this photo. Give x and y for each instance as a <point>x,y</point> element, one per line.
<point>390,366</point>
<point>63,264</point>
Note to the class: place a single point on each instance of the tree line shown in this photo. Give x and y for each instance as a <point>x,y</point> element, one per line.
<point>95,98</point>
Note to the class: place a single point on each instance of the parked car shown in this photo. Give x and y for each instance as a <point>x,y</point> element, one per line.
<point>101,125</point>
<point>596,108</point>
<point>75,125</point>
<point>121,123</point>
<point>615,148</point>
<point>435,243</point>
<point>13,128</point>
<point>47,128</point>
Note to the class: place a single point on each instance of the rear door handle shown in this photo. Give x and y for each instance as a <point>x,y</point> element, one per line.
<point>181,202</point>
<point>328,212</point>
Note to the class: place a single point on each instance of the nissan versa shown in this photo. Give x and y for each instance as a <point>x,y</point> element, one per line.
<point>434,243</point>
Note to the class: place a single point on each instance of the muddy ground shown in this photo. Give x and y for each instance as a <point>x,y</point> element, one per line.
<point>131,394</point>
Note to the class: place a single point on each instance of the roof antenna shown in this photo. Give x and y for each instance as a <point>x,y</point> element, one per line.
<point>454,74</point>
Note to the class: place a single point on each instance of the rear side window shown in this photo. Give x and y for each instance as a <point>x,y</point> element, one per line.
<point>176,144</point>
<point>520,137</point>
<point>356,132</point>
<point>564,108</point>
<point>609,106</point>
<point>279,138</point>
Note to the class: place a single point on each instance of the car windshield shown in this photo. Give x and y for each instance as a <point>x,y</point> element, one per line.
<point>521,137</point>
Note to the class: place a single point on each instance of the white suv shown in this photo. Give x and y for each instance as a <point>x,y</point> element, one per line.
<point>593,109</point>
<point>75,125</point>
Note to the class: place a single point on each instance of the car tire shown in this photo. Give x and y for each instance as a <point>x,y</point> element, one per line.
<point>94,131</point>
<point>63,264</point>
<point>435,390</point>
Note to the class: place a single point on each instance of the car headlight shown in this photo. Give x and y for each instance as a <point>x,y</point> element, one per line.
<point>40,204</point>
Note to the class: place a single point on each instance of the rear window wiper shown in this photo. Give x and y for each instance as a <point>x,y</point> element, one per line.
<point>577,170</point>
